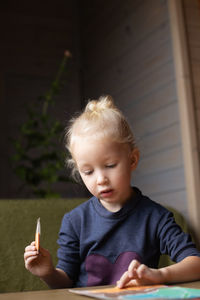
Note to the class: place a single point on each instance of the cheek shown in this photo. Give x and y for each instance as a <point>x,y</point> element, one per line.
<point>84,180</point>
<point>124,173</point>
<point>91,188</point>
<point>88,182</point>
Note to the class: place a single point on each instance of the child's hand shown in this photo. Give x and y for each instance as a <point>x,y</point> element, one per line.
<point>139,274</point>
<point>39,264</point>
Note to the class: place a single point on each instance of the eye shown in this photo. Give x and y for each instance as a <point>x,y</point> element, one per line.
<point>111,165</point>
<point>88,172</point>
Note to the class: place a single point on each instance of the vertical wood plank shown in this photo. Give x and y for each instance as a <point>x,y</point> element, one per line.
<point>186,108</point>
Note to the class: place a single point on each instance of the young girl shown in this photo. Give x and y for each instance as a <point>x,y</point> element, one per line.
<point>117,236</point>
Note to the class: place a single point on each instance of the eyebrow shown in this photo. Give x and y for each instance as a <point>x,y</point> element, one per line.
<point>84,166</point>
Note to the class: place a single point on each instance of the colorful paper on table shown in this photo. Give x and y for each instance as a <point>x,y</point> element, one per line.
<point>37,235</point>
<point>142,292</point>
<point>114,292</point>
<point>168,293</point>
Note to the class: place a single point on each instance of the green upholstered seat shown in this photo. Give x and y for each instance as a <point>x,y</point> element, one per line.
<point>17,230</point>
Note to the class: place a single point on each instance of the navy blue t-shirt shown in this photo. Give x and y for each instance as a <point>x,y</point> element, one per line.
<point>97,246</point>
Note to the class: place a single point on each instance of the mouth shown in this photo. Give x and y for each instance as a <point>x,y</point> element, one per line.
<point>106,193</point>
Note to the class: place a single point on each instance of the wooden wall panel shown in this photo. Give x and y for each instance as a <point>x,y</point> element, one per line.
<point>127,52</point>
<point>192,20</point>
<point>186,111</point>
<point>162,183</point>
<point>192,23</point>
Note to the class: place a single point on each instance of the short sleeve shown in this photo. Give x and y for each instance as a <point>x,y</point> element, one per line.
<point>173,241</point>
<point>68,252</point>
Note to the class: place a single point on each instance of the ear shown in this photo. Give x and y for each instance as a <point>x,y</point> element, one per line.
<point>135,155</point>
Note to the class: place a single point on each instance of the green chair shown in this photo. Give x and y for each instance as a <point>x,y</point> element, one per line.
<point>17,230</point>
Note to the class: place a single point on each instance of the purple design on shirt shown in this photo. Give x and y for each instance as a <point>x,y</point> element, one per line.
<point>101,271</point>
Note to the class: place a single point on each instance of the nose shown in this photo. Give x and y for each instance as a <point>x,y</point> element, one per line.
<point>101,178</point>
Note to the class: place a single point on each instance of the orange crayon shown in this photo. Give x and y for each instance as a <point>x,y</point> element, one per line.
<point>37,235</point>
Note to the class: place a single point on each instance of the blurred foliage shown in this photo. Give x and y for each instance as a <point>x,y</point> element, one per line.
<point>37,159</point>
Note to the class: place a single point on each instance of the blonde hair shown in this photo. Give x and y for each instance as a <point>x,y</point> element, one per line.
<point>100,119</point>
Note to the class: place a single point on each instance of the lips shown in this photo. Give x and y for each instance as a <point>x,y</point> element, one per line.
<point>106,193</point>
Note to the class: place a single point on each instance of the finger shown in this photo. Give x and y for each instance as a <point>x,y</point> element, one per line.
<point>142,271</point>
<point>130,274</point>
<point>29,248</point>
<point>29,260</point>
<point>44,252</point>
<point>123,280</point>
<point>132,268</point>
<point>30,254</point>
<point>133,282</point>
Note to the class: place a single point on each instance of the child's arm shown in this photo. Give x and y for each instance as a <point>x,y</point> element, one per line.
<point>138,274</point>
<point>40,264</point>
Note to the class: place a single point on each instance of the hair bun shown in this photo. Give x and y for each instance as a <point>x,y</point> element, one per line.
<point>97,106</point>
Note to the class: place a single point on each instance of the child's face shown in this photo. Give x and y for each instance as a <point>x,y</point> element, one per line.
<point>105,168</point>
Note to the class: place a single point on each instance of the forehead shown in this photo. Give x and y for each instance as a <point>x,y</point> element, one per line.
<point>93,149</point>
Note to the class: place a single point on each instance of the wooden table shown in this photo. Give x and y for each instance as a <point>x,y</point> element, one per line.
<point>63,294</point>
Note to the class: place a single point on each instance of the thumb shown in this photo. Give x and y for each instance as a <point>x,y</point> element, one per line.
<point>44,252</point>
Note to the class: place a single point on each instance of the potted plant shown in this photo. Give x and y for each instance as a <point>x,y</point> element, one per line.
<point>37,159</point>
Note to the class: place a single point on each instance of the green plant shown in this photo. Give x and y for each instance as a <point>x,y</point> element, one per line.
<point>37,160</point>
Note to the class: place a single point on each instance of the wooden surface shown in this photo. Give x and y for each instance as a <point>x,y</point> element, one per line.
<point>63,294</point>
